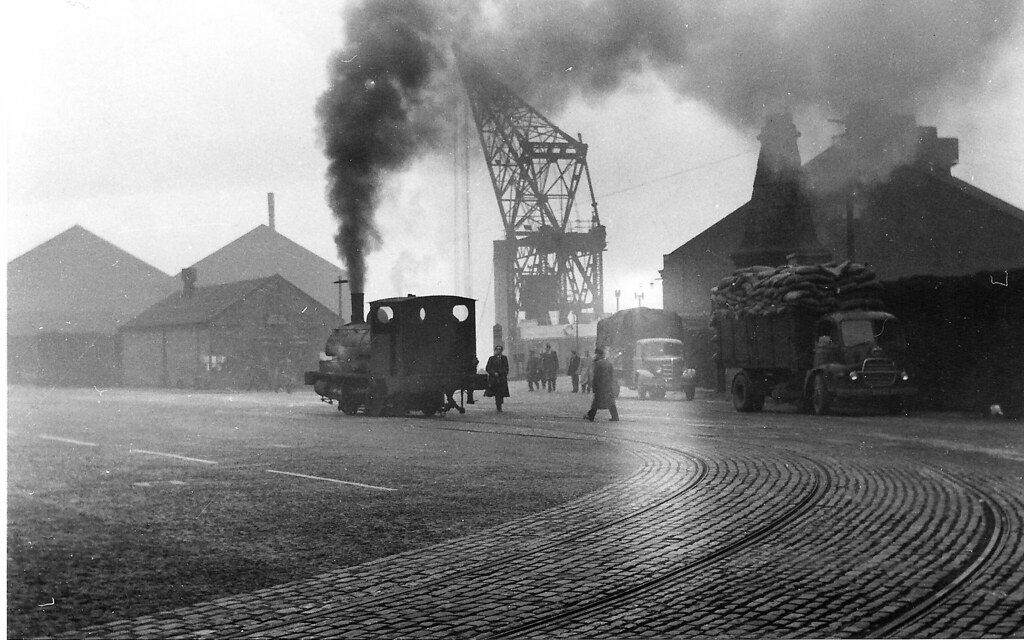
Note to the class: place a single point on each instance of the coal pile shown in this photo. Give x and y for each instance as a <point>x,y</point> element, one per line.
<point>818,289</point>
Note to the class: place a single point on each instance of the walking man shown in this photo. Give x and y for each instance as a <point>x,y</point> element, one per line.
<point>605,387</point>
<point>574,371</point>
<point>497,377</point>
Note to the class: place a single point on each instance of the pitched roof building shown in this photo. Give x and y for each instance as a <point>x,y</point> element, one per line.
<point>263,252</point>
<point>77,282</point>
<point>882,195</point>
<point>258,333</point>
<point>65,300</point>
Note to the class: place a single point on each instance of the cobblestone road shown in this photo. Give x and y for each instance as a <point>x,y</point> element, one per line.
<point>772,526</point>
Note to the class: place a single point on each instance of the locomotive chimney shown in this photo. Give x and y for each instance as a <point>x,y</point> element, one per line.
<point>270,209</point>
<point>357,307</point>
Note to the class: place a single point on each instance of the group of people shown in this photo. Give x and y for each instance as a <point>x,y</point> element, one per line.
<point>541,372</point>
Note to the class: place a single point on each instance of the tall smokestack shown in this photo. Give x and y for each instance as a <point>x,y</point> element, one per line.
<point>270,209</point>
<point>357,307</point>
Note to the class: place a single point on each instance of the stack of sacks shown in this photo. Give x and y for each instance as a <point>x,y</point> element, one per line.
<point>818,289</point>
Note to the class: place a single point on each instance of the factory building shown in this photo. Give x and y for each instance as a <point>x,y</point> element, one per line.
<point>882,195</point>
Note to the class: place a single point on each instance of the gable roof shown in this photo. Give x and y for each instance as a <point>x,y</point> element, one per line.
<point>77,282</point>
<point>264,252</point>
<point>202,305</point>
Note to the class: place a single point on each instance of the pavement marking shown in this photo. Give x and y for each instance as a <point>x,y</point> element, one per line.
<point>355,484</point>
<point>69,441</point>
<point>172,455</point>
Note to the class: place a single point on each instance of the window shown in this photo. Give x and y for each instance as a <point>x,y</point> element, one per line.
<point>214,363</point>
<point>385,314</point>
<point>461,312</point>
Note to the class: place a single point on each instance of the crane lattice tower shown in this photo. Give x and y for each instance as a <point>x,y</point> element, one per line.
<point>551,257</point>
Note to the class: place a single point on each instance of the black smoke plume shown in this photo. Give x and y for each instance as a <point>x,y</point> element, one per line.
<point>376,115</point>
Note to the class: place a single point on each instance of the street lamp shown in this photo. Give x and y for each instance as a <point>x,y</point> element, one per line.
<point>618,292</point>
<point>639,298</point>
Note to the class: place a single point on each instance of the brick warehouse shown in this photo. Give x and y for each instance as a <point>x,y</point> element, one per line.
<point>253,334</point>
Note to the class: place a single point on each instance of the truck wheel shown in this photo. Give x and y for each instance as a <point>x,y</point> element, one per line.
<point>690,392</point>
<point>745,396</point>
<point>821,398</point>
<point>348,407</point>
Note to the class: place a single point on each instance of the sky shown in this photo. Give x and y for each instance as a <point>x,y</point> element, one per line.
<point>161,126</point>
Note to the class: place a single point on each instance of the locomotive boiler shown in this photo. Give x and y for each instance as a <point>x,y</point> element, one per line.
<point>416,353</point>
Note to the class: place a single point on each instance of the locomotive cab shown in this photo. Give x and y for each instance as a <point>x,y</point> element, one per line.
<point>413,353</point>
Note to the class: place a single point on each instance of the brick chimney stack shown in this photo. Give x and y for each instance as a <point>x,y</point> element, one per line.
<point>270,209</point>
<point>189,276</point>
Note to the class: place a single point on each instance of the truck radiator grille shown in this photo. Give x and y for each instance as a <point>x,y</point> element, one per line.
<point>879,372</point>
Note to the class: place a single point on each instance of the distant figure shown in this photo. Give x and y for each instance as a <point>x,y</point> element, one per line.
<point>549,367</point>
<point>605,387</point>
<point>573,369</point>
<point>533,373</point>
<point>497,377</point>
<point>586,371</point>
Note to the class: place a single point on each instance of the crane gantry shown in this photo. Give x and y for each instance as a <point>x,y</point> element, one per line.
<point>551,256</point>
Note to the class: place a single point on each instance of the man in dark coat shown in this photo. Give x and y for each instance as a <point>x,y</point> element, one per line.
<point>605,387</point>
<point>549,364</point>
<point>533,374</point>
<point>573,370</point>
<point>497,377</point>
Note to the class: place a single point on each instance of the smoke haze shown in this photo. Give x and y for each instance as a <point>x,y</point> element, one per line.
<point>392,85</point>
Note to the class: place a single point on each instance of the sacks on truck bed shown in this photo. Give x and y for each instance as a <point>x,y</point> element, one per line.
<point>823,288</point>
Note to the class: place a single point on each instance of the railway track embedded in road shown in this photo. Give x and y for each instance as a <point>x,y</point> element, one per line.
<point>996,522</point>
<point>822,481</point>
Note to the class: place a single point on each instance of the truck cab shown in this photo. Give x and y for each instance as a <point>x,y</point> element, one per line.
<point>859,353</point>
<point>659,366</point>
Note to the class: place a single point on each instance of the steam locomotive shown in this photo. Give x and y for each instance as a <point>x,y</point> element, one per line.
<point>409,354</point>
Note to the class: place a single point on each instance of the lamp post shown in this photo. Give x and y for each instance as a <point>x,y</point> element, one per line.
<point>341,314</point>
<point>618,292</point>
<point>639,298</point>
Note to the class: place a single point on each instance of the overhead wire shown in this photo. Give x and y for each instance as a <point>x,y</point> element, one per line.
<point>677,173</point>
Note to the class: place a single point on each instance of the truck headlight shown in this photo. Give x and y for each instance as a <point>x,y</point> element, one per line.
<point>905,376</point>
<point>854,375</point>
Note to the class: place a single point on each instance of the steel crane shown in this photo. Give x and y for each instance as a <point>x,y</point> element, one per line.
<point>551,257</point>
